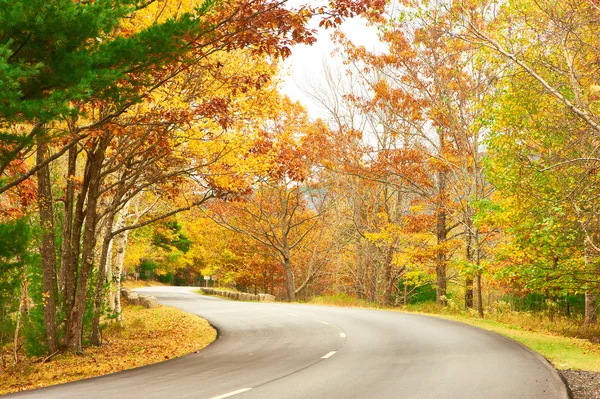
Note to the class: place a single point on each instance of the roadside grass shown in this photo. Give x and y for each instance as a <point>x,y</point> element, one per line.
<point>564,342</point>
<point>147,336</point>
<point>343,300</point>
<point>563,352</point>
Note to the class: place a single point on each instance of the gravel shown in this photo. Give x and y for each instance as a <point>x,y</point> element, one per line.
<point>583,384</point>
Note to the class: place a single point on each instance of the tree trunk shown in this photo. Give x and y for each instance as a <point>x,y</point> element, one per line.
<point>101,280</point>
<point>73,338</point>
<point>23,308</point>
<point>71,264</point>
<point>47,248</point>
<point>469,292</point>
<point>440,268</point>
<point>590,308</point>
<point>441,235</point>
<point>469,258</point>
<point>388,287</point>
<point>110,295</point>
<point>289,280</point>
<point>68,222</point>
<point>479,295</point>
<point>591,260</point>
<point>120,260</point>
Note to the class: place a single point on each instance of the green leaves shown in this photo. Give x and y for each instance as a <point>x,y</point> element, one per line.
<point>55,53</point>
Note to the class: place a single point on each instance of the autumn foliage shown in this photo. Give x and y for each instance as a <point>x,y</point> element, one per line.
<point>149,140</point>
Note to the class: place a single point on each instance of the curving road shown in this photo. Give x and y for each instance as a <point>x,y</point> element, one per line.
<point>275,350</point>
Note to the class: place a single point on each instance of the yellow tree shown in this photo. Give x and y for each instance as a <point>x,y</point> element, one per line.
<point>286,207</point>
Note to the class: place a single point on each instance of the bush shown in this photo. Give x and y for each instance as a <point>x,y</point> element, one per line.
<point>417,294</point>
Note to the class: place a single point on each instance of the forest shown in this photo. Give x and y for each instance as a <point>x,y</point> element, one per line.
<point>150,140</point>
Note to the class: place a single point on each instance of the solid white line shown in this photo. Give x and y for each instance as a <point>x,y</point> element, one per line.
<point>327,356</point>
<point>226,395</point>
<point>324,322</point>
<point>292,314</point>
<point>343,335</point>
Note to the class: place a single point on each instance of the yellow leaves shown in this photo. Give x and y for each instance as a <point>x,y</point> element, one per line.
<point>148,336</point>
<point>157,12</point>
<point>594,93</point>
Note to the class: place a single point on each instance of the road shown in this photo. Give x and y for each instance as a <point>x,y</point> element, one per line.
<point>276,350</point>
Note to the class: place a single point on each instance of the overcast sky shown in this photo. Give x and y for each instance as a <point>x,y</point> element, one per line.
<point>306,62</point>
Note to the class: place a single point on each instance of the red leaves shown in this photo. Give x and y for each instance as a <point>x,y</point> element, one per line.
<point>343,9</point>
<point>15,202</point>
<point>217,108</point>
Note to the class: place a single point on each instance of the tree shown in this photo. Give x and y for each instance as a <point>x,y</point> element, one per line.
<point>87,84</point>
<point>285,206</point>
<point>423,100</point>
<point>550,50</point>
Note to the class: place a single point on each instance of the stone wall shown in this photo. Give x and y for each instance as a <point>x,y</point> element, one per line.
<point>238,296</point>
<point>133,298</point>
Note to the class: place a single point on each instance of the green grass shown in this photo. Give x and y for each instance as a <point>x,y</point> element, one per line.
<point>563,352</point>
<point>557,339</point>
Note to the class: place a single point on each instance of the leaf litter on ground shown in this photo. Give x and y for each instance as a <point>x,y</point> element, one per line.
<point>147,336</point>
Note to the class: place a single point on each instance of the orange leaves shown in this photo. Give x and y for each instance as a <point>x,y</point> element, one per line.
<point>15,203</point>
<point>149,336</point>
<point>419,222</point>
<point>216,108</point>
<point>342,9</point>
<point>288,142</point>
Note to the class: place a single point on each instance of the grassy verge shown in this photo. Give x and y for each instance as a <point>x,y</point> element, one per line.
<point>148,336</point>
<point>563,352</point>
<point>557,339</point>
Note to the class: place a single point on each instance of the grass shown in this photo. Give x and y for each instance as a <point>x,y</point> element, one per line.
<point>563,341</point>
<point>147,336</point>
<point>343,300</point>
<point>563,352</point>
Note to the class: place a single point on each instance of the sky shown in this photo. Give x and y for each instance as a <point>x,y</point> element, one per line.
<point>306,62</point>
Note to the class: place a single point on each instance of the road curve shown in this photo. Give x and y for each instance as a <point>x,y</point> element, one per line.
<point>275,350</point>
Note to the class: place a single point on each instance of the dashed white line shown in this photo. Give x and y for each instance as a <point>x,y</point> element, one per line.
<point>327,356</point>
<point>292,314</point>
<point>324,322</point>
<point>343,335</point>
<point>226,395</point>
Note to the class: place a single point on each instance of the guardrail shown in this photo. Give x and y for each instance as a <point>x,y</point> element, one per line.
<point>238,296</point>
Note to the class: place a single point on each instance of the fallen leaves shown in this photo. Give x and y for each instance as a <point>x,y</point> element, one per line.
<point>146,337</point>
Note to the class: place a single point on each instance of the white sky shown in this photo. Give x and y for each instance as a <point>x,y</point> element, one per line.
<point>306,62</point>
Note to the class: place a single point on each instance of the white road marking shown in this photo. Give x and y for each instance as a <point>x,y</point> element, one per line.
<point>324,322</point>
<point>343,335</point>
<point>327,356</point>
<point>226,395</point>
<point>292,314</point>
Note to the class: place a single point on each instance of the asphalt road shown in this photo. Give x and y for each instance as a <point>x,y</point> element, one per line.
<point>275,350</point>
